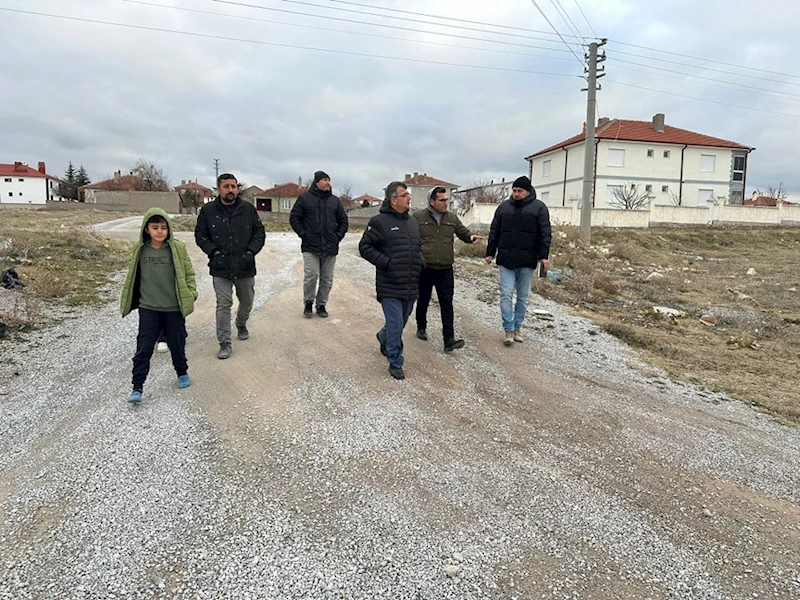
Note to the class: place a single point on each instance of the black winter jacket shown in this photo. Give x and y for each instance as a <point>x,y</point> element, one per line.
<point>392,243</point>
<point>520,233</point>
<point>320,220</point>
<point>232,232</point>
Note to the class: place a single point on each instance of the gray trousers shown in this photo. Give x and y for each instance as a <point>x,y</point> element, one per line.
<point>245,293</point>
<point>317,267</point>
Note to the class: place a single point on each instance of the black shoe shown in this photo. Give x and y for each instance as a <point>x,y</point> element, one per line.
<point>224,351</point>
<point>242,333</point>
<point>383,346</point>
<point>451,345</point>
<point>422,334</point>
<point>308,311</point>
<point>322,312</point>
<point>397,372</point>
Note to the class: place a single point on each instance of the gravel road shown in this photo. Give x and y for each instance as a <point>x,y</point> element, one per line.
<point>557,468</point>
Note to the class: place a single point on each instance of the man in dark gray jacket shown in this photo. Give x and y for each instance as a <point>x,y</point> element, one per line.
<point>318,217</point>
<point>231,233</point>
<point>392,243</point>
<point>520,235</point>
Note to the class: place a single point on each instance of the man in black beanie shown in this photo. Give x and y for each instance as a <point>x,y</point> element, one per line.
<point>321,222</point>
<point>520,235</point>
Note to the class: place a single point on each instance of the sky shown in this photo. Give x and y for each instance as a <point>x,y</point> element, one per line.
<point>278,94</point>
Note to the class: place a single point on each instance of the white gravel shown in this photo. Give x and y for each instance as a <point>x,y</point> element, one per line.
<point>602,482</point>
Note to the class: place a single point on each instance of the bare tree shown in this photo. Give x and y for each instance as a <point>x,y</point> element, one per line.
<point>630,197</point>
<point>346,194</point>
<point>151,177</point>
<point>776,193</point>
<point>674,198</point>
<point>489,192</point>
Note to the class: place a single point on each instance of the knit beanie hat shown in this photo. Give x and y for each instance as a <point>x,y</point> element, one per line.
<point>319,175</point>
<point>523,183</point>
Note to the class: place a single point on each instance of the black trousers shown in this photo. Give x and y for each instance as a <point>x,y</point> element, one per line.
<point>151,323</point>
<point>442,280</point>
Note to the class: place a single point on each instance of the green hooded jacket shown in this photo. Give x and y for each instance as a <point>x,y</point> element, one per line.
<point>184,272</point>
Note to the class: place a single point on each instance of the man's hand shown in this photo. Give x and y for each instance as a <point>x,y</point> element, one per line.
<point>489,260</point>
<point>217,252</point>
<point>249,252</point>
<point>475,238</point>
<point>545,264</point>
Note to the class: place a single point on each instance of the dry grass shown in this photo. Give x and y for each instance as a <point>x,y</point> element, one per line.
<point>58,258</point>
<point>752,351</point>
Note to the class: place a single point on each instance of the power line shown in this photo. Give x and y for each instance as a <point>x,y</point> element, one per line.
<point>556,30</point>
<point>773,112</point>
<point>711,60</point>
<point>361,33</point>
<point>394,27</point>
<point>715,82</point>
<point>380,16</point>
<point>567,19</point>
<point>279,45</point>
<point>585,19</point>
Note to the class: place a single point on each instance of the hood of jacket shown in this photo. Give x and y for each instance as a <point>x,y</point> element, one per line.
<point>156,211</point>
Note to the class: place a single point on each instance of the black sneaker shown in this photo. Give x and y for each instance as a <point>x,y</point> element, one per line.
<point>242,333</point>
<point>397,372</point>
<point>383,346</point>
<point>308,311</point>
<point>224,351</point>
<point>322,312</point>
<point>451,345</point>
<point>422,334</point>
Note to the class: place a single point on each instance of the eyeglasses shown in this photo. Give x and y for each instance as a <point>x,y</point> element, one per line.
<point>405,195</point>
<point>440,199</point>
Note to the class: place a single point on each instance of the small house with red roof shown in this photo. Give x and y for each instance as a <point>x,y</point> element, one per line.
<point>203,193</point>
<point>24,185</point>
<point>671,165</point>
<point>118,183</point>
<point>420,185</point>
<point>281,198</point>
<point>372,201</point>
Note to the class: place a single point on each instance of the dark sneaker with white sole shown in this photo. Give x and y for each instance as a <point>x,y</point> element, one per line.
<point>451,345</point>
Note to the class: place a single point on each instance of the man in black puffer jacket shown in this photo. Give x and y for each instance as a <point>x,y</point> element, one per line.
<point>321,222</point>
<point>520,235</point>
<point>231,233</point>
<point>392,243</point>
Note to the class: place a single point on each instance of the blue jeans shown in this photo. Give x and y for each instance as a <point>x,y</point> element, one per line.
<point>396,313</point>
<point>521,279</point>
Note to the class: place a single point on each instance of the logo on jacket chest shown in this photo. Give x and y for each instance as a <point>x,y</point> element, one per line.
<point>395,228</point>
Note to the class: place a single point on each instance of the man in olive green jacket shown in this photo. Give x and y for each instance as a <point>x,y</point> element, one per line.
<point>160,283</point>
<point>437,226</point>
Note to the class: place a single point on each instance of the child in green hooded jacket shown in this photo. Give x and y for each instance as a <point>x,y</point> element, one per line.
<point>161,284</point>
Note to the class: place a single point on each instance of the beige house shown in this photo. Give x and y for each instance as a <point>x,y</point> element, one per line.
<point>279,199</point>
<point>420,185</point>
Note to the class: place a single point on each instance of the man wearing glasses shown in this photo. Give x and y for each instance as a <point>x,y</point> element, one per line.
<point>391,242</point>
<point>437,226</point>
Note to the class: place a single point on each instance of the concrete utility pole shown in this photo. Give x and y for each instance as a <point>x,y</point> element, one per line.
<point>588,157</point>
<point>216,169</point>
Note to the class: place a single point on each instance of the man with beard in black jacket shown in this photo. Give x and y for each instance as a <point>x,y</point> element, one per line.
<point>520,235</point>
<point>319,219</point>
<point>392,243</point>
<point>231,233</point>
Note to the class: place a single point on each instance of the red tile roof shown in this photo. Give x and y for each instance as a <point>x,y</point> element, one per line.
<point>424,179</point>
<point>286,190</point>
<point>125,183</point>
<point>193,186</point>
<point>363,197</point>
<point>642,131</point>
<point>22,170</point>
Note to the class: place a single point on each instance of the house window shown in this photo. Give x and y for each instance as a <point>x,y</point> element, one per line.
<point>285,204</point>
<point>7,180</point>
<point>613,192</point>
<point>633,187</point>
<point>20,193</point>
<point>546,168</point>
<point>616,157</point>
<point>11,194</point>
<point>737,197</point>
<point>708,162</point>
<point>704,195</point>
<point>738,168</point>
<point>648,188</point>
<point>666,153</point>
<point>545,197</point>
<point>21,179</point>
<point>650,153</point>
<point>664,189</point>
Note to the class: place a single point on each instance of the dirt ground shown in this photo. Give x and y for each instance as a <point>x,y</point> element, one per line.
<point>556,468</point>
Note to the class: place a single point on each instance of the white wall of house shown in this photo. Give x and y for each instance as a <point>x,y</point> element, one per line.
<point>706,173</point>
<point>27,190</point>
<point>419,195</point>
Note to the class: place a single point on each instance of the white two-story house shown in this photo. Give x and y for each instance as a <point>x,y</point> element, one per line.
<point>23,185</point>
<point>669,165</point>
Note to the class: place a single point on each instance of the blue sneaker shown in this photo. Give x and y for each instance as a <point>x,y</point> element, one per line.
<point>136,396</point>
<point>184,381</point>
